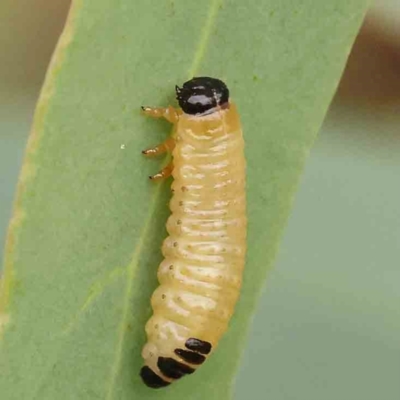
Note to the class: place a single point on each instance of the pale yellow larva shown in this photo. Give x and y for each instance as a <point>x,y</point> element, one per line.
<point>204,254</point>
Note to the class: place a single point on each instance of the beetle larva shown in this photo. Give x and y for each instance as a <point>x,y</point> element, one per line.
<point>204,254</point>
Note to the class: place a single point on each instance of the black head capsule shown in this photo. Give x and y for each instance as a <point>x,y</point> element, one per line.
<point>202,95</point>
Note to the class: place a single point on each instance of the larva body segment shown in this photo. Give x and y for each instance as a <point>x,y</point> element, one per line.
<point>204,254</point>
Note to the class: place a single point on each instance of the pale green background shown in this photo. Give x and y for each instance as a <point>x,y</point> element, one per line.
<point>328,323</point>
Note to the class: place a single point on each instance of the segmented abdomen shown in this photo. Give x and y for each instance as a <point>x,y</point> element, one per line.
<point>201,274</point>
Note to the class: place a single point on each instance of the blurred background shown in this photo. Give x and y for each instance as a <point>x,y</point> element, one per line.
<point>328,323</point>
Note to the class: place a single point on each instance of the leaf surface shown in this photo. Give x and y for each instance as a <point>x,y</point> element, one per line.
<point>84,243</point>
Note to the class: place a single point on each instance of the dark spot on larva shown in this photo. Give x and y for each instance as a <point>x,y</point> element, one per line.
<point>190,356</point>
<point>163,296</point>
<point>181,203</point>
<point>198,345</point>
<point>156,326</point>
<point>175,244</point>
<point>173,368</point>
<point>151,379</point>
<point>179,222</point>
<point>171,267</point>
<point>184,188</point>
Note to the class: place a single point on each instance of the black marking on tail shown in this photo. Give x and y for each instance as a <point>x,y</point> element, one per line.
<point>172,368</point>
<point>190,356</point>
<point>198,345</point>
<point>151,379</point>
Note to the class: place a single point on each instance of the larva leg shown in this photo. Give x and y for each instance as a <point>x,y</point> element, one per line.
<point>167,145</point>
<point>169,113</point>
<point>164,173</point>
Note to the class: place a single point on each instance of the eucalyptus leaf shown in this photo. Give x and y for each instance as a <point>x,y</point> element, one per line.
<point>84,242</point>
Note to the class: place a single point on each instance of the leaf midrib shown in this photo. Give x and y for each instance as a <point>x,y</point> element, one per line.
<point>201,47</point>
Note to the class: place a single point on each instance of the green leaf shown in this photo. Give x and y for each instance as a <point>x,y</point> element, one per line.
<point>84,242</point>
